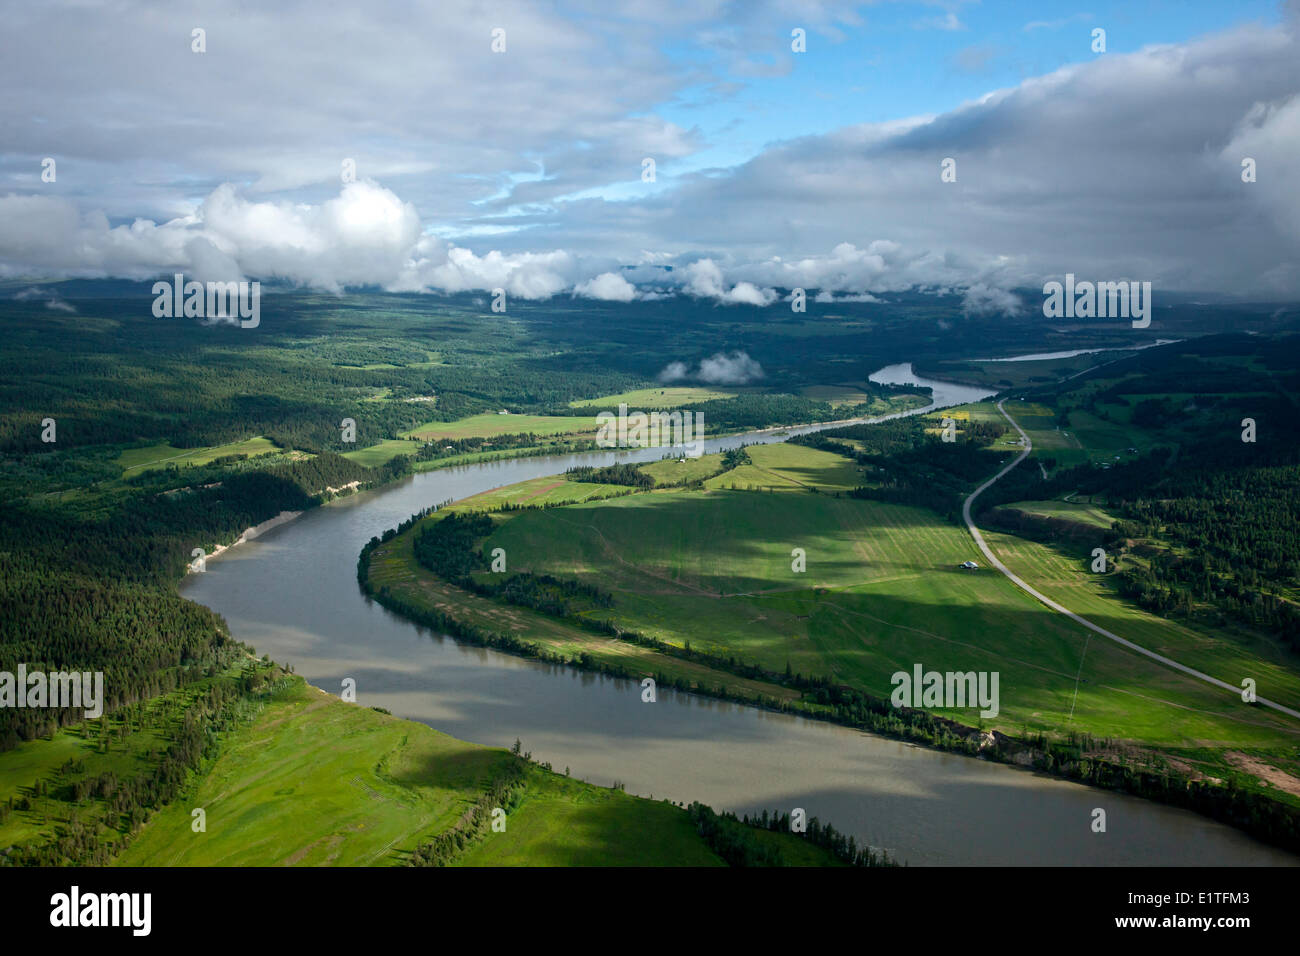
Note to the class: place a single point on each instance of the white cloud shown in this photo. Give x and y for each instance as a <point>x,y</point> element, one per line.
<point>704,278</point>
<point>674,372</point>
<point>828,297</point>
<point>607,286</point>
<point>735,368</point>
<point>1127,164</point>
<point>980,299</point>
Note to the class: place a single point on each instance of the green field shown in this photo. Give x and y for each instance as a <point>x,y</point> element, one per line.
<point>490,425</point>
<point>1086,438</point>
<point>135,460</point>
<point>316,781</point>
<point>882,591</point>
<point>835,394</point>
<point>649,398</point>
<point>786,467</point>
<point>1080,512</point>
<point>539,491</point>
<point>123,744</point>
<point>386,450</point>
<point>677,471</point>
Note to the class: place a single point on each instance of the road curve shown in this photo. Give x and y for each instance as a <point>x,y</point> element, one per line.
<point>1018,582</point>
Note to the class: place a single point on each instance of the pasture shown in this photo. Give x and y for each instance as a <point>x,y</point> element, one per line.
<point>315,781</point>
<point>135,460</point>
<point>492,424</point>
<point>667,396</point>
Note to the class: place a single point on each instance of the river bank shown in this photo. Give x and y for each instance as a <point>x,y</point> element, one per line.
<point>294,594</point>
<point>249,534</point>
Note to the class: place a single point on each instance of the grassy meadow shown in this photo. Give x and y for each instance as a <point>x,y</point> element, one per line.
<point>643,399</point>
<point>492,424</point>
<point>135,460</point>
<point>315,781</point>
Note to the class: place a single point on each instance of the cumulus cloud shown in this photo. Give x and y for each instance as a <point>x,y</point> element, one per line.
<point>607,286</point>
<point>980,299</point>
<point>704,279</point>
<point>365,234</point>
<point>735,368</point>
<point>674,372</point>
<point>1123,165</point>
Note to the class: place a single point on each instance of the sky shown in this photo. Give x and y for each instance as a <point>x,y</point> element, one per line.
<point>389,144</point>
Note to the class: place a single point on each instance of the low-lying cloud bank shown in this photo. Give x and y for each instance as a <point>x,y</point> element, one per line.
<point>368,236</point>
<point>1125,166</point>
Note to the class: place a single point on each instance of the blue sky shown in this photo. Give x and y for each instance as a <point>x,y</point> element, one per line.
<point>900,62</point>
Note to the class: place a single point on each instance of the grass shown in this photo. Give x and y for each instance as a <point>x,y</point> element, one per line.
<point>881,593</point>
<point>1066,579</point>
<point>316,781</point>
<point>785,467</point>
<point>375,455</point>
<point>835,394</point>
<point>393,565</point>
<point>539,491</point>
<point>136,460</point>
<point>648,398</point>
<point>490,425</point>
<point>673,471</point>
<point>1086,438</point>
<point>1079,512</point>
<point>76,753</point>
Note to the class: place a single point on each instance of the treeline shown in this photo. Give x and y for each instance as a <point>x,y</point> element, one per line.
<point>757,411</point>
<point>143,639</point>
<point>439,448</point>
<point>735,840</point>
<point>504,793</point>
<point>620,474</point>
<point>123,804</point>
<point>149,537</point>
<point>450,549</point>
<point>1234,542</point>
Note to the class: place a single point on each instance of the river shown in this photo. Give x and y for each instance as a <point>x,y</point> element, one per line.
<point>1044,356</point>
<point>292,593</point>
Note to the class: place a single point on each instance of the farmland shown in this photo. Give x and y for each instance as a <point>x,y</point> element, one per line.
<point>712,569</point>
<point>136,460</point>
